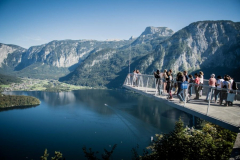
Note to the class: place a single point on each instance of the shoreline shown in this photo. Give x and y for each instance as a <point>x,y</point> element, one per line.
<point>17,101</point>
<point>47,85</point>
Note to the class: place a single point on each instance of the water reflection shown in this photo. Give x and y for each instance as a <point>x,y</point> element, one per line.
<point>51,98</point>
<point>67,121</point>
<point>118,102</point>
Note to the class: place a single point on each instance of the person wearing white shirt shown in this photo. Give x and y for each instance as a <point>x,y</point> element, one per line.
<point>201,82</point>
<point>134,78</point>
<point>219,86</point>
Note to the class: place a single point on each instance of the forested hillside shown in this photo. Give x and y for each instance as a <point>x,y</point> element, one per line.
<point>6,79</point>
<point>7,101</point>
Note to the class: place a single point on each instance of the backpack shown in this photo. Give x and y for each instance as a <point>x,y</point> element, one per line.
<point>234,86</point>
<point>156,75</point>
<point>225,85</point>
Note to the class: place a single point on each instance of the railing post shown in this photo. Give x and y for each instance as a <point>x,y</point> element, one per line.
<point>209,97</point>
<point>156,86</point>
<point>131,81</point>
<point>147,84</point>
<point>236,96</point>
<point>185,96</point>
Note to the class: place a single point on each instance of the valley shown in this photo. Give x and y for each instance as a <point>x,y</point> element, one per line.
<point>29,84</point>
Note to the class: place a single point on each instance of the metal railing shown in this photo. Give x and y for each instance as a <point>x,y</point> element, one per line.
<point>148,83</point>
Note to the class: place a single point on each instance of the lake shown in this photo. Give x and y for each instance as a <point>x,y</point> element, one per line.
<point>97,119</point>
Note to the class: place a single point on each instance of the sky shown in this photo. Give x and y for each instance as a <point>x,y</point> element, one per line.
<point>34,22</point>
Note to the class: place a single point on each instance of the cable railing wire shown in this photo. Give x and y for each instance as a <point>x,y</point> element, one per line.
<point>149,83</point>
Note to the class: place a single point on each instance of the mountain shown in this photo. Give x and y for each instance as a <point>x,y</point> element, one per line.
<point>153,36</point>
<point>212,46</point>
<point>101,67</point>
<point>51,60</point>
<point>10,57</point>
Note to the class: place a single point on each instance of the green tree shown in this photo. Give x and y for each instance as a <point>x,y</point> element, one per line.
<point>58,155</point>
<point>212,142</point>
<point>90,155</point>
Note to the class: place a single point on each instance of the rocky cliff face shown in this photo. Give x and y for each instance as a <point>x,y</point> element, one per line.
<point>205,44</point>
<point>160,31</point>
<point>153,36</point>
<point>101,67</point>
<point>10,55</point>
<point>65,55</point>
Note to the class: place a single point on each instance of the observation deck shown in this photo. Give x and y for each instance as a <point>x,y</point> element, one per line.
<point>225,116</point>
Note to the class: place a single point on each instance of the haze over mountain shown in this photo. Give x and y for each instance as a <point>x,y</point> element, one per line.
<point>201,45</point>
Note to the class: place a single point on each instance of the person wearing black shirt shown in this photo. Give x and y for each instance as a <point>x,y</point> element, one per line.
<point>158,81</point>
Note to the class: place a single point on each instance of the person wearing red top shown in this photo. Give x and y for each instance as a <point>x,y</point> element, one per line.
<point>212,83</point>
<point>197,82</point>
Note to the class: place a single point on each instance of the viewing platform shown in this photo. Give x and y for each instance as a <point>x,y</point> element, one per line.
<point>225,116</point>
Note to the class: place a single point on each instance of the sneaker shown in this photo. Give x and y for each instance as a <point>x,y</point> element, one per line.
<point>181,102</point>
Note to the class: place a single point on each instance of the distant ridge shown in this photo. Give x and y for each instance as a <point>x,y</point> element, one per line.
<point>200,45</point>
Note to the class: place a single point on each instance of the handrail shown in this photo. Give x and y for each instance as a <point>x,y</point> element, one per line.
<point>157,87</point>
<point>151,83</point>
<point>174,81</point>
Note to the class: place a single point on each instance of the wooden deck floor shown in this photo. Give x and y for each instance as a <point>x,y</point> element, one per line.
<point>227,117</point>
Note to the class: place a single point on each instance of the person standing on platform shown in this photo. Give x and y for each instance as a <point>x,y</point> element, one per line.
<point>158,81</point>
<point>185,91</point>
<point>224,93</point>
<point>134,78</point>
<point>169,84</point>
<point>180,93</point>
<point>164,80</point>
<point>212,83</point>
<point>201,83</point>
<point>197,82</point>
<point>190,80</point>
<point>219,86</point>
<point>139,78</point>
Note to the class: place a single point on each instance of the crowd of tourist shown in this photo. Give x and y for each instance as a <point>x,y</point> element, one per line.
<point>184,85</point>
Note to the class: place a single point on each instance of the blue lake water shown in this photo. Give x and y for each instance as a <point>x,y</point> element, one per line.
<point>97,119</point>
